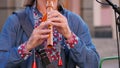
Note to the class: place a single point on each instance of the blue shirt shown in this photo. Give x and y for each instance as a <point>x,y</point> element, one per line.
<point>83,54</point>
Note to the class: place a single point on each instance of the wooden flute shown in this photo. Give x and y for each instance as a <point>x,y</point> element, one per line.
<point>49,6</point>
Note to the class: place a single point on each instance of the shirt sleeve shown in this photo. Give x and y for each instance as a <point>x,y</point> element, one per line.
<point>83,53</point>
<point>24,53</point>
<point>71,41</point>
<point>9,55</point>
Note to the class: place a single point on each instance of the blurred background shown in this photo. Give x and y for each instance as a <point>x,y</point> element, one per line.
<point>100,19</point>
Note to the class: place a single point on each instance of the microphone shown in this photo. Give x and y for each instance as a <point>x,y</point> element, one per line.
<point>117,9</point>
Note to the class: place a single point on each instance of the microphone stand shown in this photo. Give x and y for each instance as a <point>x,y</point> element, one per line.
<point>117,20</point>
<point>118,36</point>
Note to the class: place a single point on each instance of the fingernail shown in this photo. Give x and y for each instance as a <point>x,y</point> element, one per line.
<point>48,13</point>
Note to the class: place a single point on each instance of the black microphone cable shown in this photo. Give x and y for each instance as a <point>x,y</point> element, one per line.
<point>102,2</point>
<point>117,20</point>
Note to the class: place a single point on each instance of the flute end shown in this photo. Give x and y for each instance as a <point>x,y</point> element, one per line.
<point>49,46</point>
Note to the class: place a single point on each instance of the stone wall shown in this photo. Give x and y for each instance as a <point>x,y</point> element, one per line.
<point>6,8</point>
<point>87,14</point>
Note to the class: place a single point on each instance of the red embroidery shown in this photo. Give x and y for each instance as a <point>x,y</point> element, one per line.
<point>52,54</point>
<point>72,40</point>
<point>23,52</point>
